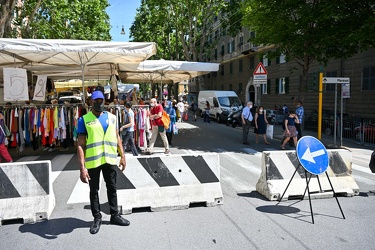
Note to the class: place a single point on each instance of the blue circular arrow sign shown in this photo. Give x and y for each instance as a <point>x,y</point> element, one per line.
<point>312,155</point>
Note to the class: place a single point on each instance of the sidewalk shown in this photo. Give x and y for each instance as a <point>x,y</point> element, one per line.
<point>327,140</point>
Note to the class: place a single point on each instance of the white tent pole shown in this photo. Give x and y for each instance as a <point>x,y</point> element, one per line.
<point>83,83</point>
<point>161,87</point>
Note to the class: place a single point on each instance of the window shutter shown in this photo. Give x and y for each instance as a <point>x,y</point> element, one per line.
<point>268,86</point>
<point>286,85</point>
<point>277,86</point>
<point>269,62</point>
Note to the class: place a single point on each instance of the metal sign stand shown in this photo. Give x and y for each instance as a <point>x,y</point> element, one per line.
<point>308,191</point>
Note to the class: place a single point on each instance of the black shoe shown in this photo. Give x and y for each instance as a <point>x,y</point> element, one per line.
<point>246,143</point>
<point>95,225</point>
<point>119,220</point>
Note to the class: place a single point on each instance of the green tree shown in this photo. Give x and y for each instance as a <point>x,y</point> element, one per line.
<point>311,30</point>
<point>180,28</point>
<point>60,19</point>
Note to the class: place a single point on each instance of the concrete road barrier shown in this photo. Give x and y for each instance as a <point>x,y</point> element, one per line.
<point>26,191</point>
<point>279,166</point>
<point>169,182</point>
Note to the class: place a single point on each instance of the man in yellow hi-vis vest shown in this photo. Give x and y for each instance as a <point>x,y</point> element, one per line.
<point>98,141</point>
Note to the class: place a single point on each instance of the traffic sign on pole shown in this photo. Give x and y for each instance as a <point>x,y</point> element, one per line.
<point>312,155</point>
<point>260,70</point>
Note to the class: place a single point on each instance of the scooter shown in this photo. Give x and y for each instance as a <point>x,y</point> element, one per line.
<point>234,117</point>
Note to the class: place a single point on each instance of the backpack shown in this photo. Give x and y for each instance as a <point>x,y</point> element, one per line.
<point>165,119</point>
<point>125,121</point>
<point>372,162</point>
<point>194,106</point>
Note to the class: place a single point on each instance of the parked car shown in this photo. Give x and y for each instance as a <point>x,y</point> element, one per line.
<point>365,132</point>
<point>275,116</point>
<point>72,96</point>
<point>71,99</point>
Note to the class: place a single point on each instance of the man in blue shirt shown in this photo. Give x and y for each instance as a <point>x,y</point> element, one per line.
<point>299,112</point>
<point>247,117</point>
<point>97,133</point>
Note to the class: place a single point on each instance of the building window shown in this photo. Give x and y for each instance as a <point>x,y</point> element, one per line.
<point>231,46</point>
<point>240,65</point>
<point>282,85</point>
<point>265,61</point>
<point>251,63</point>
<point>217,34</point>
<point>215,55</point>
<point>222,50</point>
<point>280,59</point>
<point>252,36</point>
<point>313,81</point>
<point>239,88</point>
<point>222,69</point>
<point>240,42</point>
<point>264,88</point>
<point>368,82</point>
<point>231,68</point>
<point>230,87</point>
<point>330,87</point>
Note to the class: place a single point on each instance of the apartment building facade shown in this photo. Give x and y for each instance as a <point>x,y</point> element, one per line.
<point>238,59</point>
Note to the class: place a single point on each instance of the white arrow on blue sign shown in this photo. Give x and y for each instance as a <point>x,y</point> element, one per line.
<point>312,155</point>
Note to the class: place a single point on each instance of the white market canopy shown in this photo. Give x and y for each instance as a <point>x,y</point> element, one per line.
<point>164,71</point>
<point>59,58</point>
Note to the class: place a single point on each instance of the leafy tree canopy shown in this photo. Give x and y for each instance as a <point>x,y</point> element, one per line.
<point>317,29</point>
<point>59,19</point>
<point>180,28</point>
<point>312,30</point>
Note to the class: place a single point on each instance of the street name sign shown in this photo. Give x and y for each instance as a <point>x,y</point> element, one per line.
<point>336,80</point>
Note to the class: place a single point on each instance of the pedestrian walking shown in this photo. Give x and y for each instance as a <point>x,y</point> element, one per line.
<point>193,108</point>
<point>157,127</point>
<point>206,112</point>
<point>261,124</point>
<point>247,118</point>
<point>300,112</point>
<point>127,129</point>
<point>172,116</point>
<point>4,153</point>
<point>290,129</point>
<point>181,109</point>
<point>98,141</point>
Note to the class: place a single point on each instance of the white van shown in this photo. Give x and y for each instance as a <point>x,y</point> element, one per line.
<point>221,103</point>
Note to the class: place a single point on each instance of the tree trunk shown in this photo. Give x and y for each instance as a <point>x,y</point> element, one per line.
<point>7,8</point>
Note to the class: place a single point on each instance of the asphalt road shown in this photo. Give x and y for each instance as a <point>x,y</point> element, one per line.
<point>245,220</point>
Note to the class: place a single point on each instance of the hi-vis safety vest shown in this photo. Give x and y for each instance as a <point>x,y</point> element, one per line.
<point>100,148</point>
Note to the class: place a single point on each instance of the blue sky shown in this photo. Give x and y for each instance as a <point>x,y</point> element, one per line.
<point>121,12</point>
